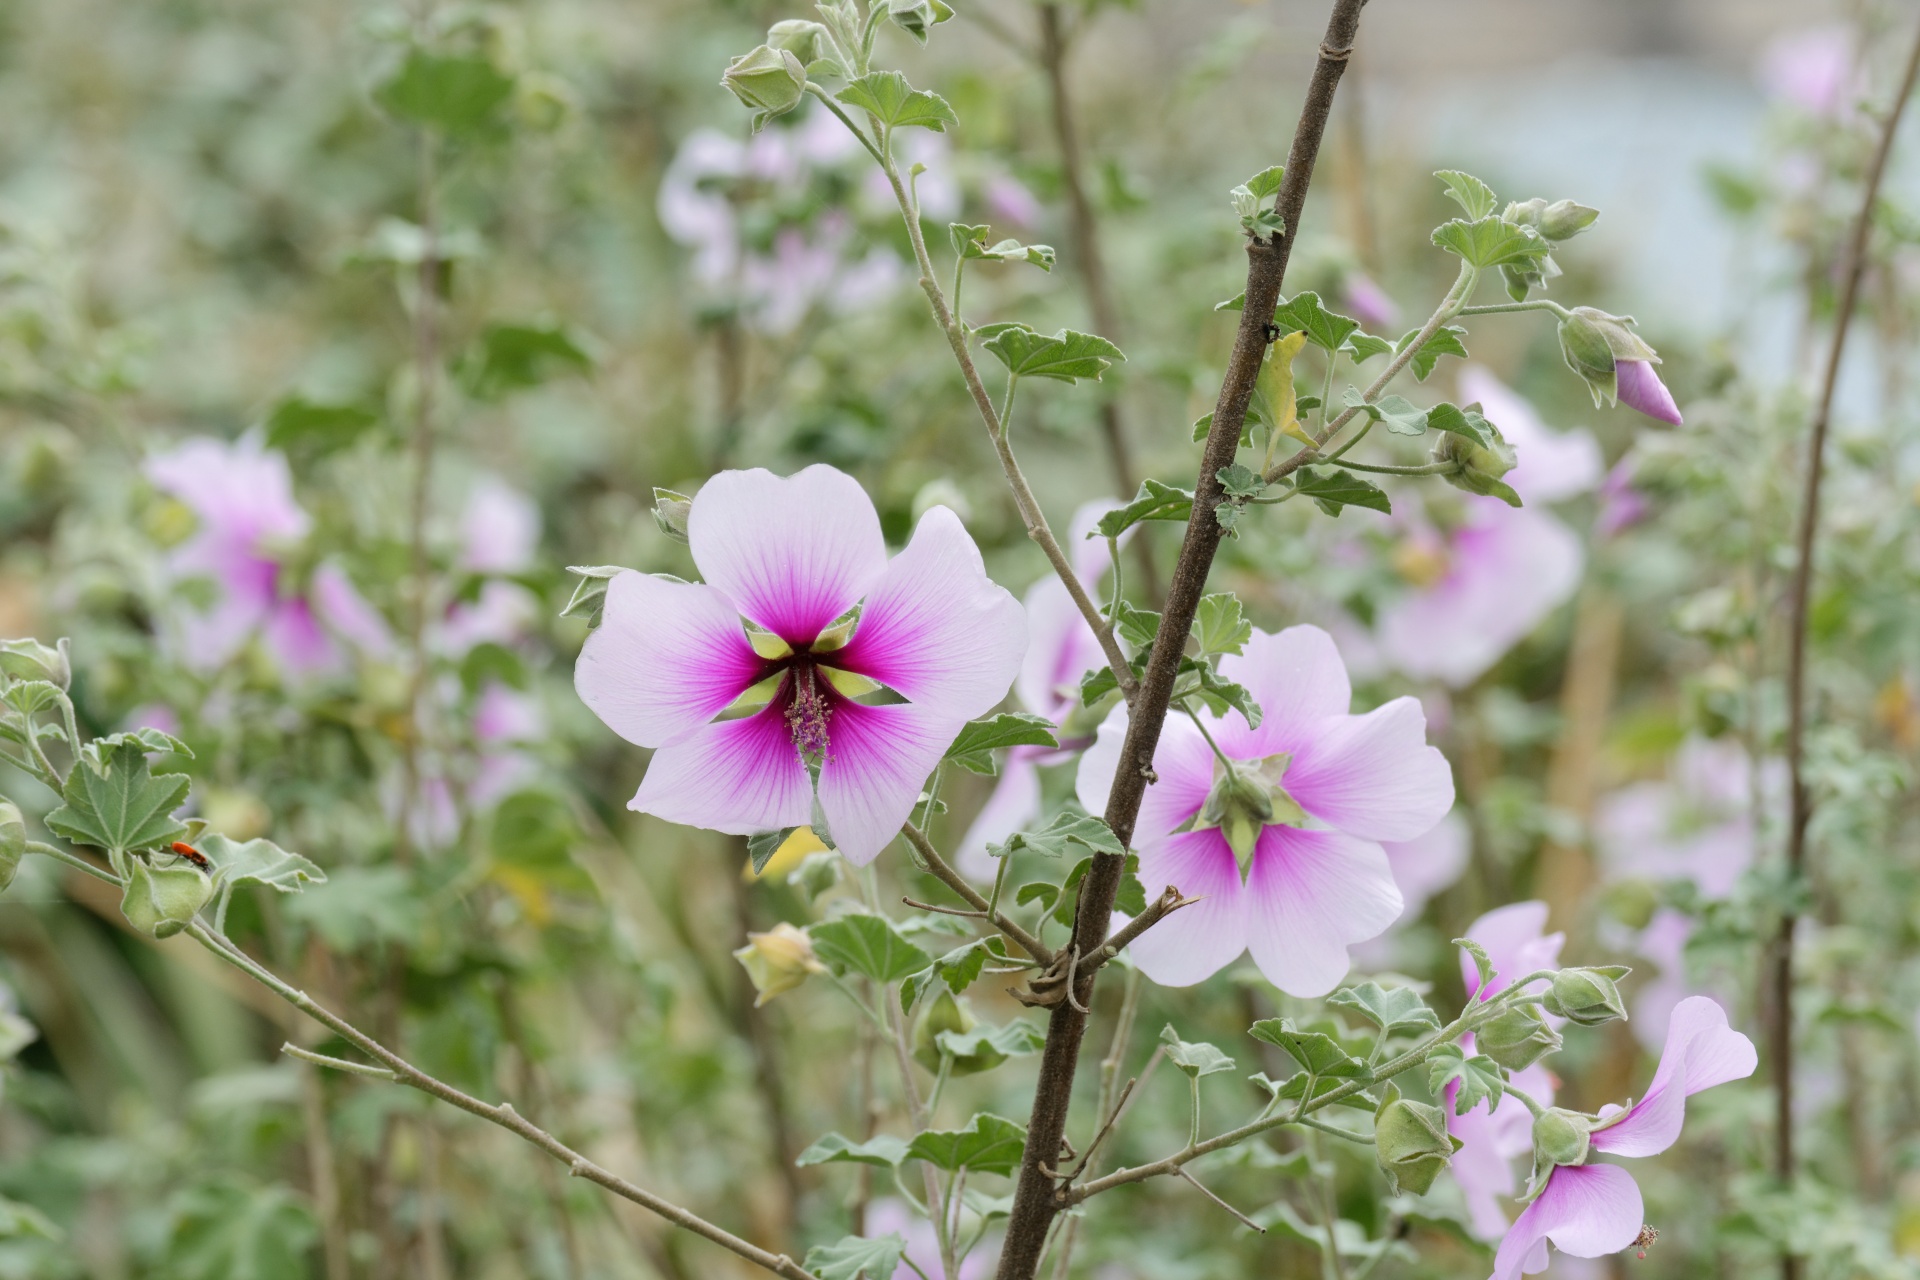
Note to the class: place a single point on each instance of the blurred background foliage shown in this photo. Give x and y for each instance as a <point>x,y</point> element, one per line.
<point>213,217</point>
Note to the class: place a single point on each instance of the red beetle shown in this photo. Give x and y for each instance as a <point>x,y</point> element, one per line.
<point>192,855</point>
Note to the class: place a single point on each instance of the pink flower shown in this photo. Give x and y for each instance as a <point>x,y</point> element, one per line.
<point>1815,69</point>
<point>1515,940</point>
<point>1010,200</point>
<point>1282,850</point>
<point>1367,302</point>
<point>1553,465</point>
<point>1594,1209</point>
<point>1621,505</point>
<point>242,496</point>
<point>793,555</point>
<point>887,1215</point>
<point>1639,387</point>
<point>1428,863</point>
<point>1061,648</point>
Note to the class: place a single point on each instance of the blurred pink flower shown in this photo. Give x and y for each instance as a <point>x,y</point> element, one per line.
<point>794,555</point>
<point>1814,68</point>
<point>1367,302</point>
<point>1621,505</point>
<point>1010,200</point>
<point>1306,893</point>
<point>888,1215</point>
<point>1591,1210</point>
<point>1428,863</point>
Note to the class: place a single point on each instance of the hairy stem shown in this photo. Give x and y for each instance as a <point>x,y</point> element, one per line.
<point>1799,593</point>
<point>1036,1198</point>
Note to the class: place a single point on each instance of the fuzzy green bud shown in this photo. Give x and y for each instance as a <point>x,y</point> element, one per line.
<point>1517,1038</point>
<point>670,512</point>
<point>1411,1142</point>
<point>1241,807</point>
<point>778,960</point>
<point>1593,342</point>
<point>13,841</point>
<point>31,660</point>
<point>1588,997</point>
<point>948,1013</point>
<point>771,81</point>
<point>1560,1137</point>
<point>800,37</point>
<point>163,901</point>
<point>1565,219</point>
<point>1481,465</point>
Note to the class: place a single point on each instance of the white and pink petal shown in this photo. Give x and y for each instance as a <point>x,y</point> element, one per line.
<point>1373,776</point>
<point>877,763</point>
<point>1310,896</point>
<point>736,776</point>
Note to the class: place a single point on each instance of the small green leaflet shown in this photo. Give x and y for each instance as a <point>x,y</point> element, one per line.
<point>589,599</point>
<point>1365,346</point>
<point>1220,625</point>
<point>113,802</point>
<point>1325,329</point>
<point>1388,1008</point>
<point>883,1151</point>
<point>1131,898</point>
<point>1481,962</point>
<point>30,696</point>
<point>1480,1078</point>
<point>869,945</point>
<point>989,1144</point>
<point>1238,302</point>
<point>1066,356</point>
<point>1336,489</point>
<point>1135,626</point>
<point>1490,242</point>
<point>1216,691</point>
<point>1016,1039</point>
<point>319,428</point>
<point>1240,481</point>
<point>1058,836</point>
<point>973,749</point>
<point>259,862</point>
<point>512,357</point>
<point>455,95</point>
<point>1466,422</point>
<point>858,1258</point>
<point>761,846</point>
<point>1295,1086</point>
<point>1446,341</point>
<point>1196,1058</point>
<point>1473,195</point>
<point>917,17</point>
<point>888,97</point>
<point>970,242</point>
<point>1155,501</point>
<point>958,968</point>
<point>1315,1051</point>
<point>1401,416</point>
<point>1266,182</point>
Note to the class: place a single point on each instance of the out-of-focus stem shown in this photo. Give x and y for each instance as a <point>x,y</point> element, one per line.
<point>1586,696</point>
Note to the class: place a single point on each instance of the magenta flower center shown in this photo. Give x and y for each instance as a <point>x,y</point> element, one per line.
<point>809,708</point>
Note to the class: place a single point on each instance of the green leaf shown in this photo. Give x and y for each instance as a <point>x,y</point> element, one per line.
<point>970,242</point>
<point>1364,347</point>
<point>858,1258</point>
<point>1016,1039</point>
<point>958,968</point>
<point>1491,242</point>
<point>989,1144</point>
<point>1295,1086</point>
<point>1196,1058</point>
<point>225,1228</point>
<point>114,803</point>
<point>21,1221</point>
<point>512,357</point>
<point>1388,1008</point>
<point>1065,831</point>
<point>869,945</point>
<point>888,97</point>
<point>1240,481</point>
<point>1135,626</point>
<point>298,423</point>
<point>1473,195</point>
<point>1401,416</point>
<point>1155,501</point>
<point>762,845</point>
<point>30,696</point>
<point>1325,329</point>
<point>1334,489</point>
<point>1315,1051</point>
<point>1041,891</point>
<point>1238,302</point>
<point>883,1150</point>
<point>1446,341</point>
<point>1481,963</point>
<point>1131,898</point>
<point>973,749</point>
<point>589,599</point>
<point>1480,1078</point>
<point>1066,356</point>
<point>1466,422</point>
<point>454,94</point>
<point>1266,182</point>
<point>1220,624</point>
<point>1220,693</point>
<point>259,862</point>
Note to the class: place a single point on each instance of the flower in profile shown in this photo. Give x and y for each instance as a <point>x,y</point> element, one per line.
<point>1590,1210</point>
<point>248,528</point>
<point>1480,581</point>
<point>1616,363</point>
<point>1278,835</point>
<point>1493,1137</point>
<point>755,725</point>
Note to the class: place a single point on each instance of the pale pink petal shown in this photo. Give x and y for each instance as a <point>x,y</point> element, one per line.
<point>504,714</point>
<point>1507,571</point>
<point>1013,806</point>
<point>502,614</point>
<point>1310,896</point>
<point>1588,1211</point>
<point>1060,649</point>
<point>878,762</point>
<point>1639,387</point>
<point>1373,776</point>
<point>935,629</point>
<point>1515,940</point>
<point>1182,764</point>
<point>1701,1051</point>
<point>500,528</point>
<point>738,776</point>
<point>1367,302</point>
<point>1428,863</point>
<point>1664,942</point>
<point>1298,680</point>
<point>666,658</point>
<point>293,636</point>
<point>1195,942</point>
<point>1482,1167</point>
<point>1552,465</point>
<point>346,613</point>
<point>793,553</point>
<point>241,491</point>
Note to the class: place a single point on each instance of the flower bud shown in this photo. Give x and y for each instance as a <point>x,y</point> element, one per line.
<point>13,841</point>
<point>162,902</point>
<point>778,960</point>
<point>1560,1137</point>
<point>1481,465</point>
<point>1565,219</point>
<point>803,39</point>
<point>1241,807</point>
<point>1593,343</point>
<point>1588,997</point>
<point>670,512</point>
<point>947,1013</point>
<point>771,81</point>
<point>1411,1142</point>
<point>31,660</point>
<point>1517,1039</point>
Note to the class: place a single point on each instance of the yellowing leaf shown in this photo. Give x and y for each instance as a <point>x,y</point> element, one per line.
<point>1277,382</point>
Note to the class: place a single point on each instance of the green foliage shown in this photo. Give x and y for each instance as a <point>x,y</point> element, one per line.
<point>867,944</point>
<point>455,95</point>
<point>116,803</point>
<point>1194,1059</point>
<point>988,1144</point>
<point>857,1258</point>
<point>1067,356</point>
<point>888,98</point>
<point>973,749</point>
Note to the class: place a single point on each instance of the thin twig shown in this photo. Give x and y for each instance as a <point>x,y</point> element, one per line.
<point>336,1064</point>
<point>971,896</point>
<point>1244,1219</point>
<point>1853,265</point>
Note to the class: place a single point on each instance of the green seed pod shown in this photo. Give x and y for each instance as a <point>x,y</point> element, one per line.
<point>670,512</point>
<point>949,1013</point>
<point>1517,1039</point>
<point>771,81</point>
<point>1481,466</point>
<point>1411,1142</point>
<point>31,660</point>
<point>803,39</point>
<point>1560,1137</point>
<point>13,841</point>
<point>1588,997</point>
<point>1565,219</point>
<point>162,902</point>
<point>778,960</point>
